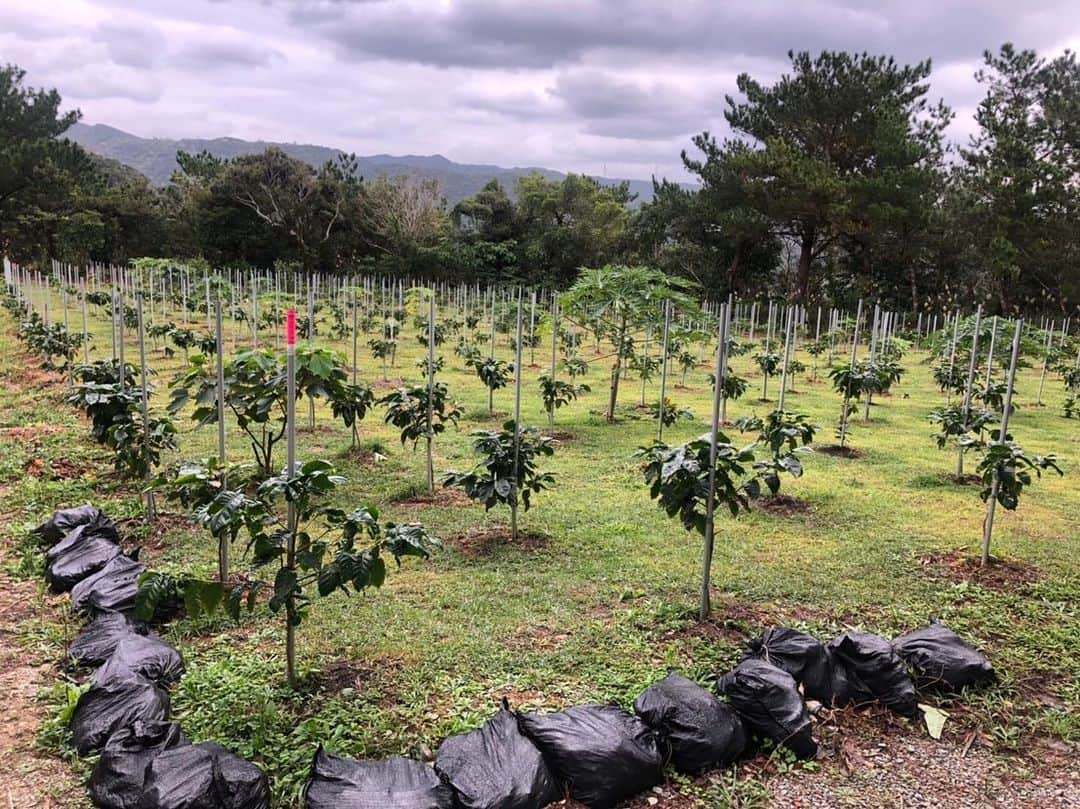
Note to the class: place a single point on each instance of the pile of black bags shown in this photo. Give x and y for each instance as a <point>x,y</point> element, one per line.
<point>600,755</point>
<point>145,760</point>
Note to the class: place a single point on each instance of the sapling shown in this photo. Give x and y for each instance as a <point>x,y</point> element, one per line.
<point>964,427</point>
<point>410,410</point>
<point>501,478</point>
<point>786,435</point>
<point>495,374</point>
<point>312,545</point>
<point>617,301</point>
<point>679,480</point>
<point>558,393</point>
<point>769,363</point>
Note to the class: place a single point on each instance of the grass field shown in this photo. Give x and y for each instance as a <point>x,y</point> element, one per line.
<point>600,599</point>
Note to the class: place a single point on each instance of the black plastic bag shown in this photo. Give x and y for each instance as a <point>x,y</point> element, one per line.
<point>496,767</point>
<point>801,655</point>
<point>111,589</point>
<point>73,538</point>
<point>769,701</point>
<point>871,670</point>
<point>701,731</point>
<point>110,706</point>
<point>392,783</point>
<point>85,559</point>
<point>119,776</point>
<point>146,655</point>
<point>96,643</point>
<point>62,521</point>
<point>942,661</point>
<point>204,776</point>
<point>604,754</point>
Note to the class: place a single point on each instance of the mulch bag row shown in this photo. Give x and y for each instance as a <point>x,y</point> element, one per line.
<point>145,761</point>
<point>600,755</point>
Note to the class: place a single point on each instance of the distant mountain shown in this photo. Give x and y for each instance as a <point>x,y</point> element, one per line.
<point>156,158</point>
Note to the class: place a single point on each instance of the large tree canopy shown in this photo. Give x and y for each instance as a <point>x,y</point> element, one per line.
<point>839,150</point>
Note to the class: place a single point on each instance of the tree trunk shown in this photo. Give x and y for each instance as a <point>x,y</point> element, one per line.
<point>806,255</point>
<point>620,337</point>
<point>733,269</point>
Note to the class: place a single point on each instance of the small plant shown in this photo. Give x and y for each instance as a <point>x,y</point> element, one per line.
<point>768,362</point>
<point>350,403</point>
<point>852,383</point>
<point>679,480</point>
<point>494,374</point>
<point>1072,405</point>
<point>734,385</point>
<point>410,410</point>
<point>501,477</point>
<point>312,545</point>
<point>993,396</point>
<point>673,414</point>
<point>1008,464</point>
<point>556,393</point>
<point>575,367</point>
<point>786,435</point>
<point>646,368</point>
<point>687,361</point>
<point>950,378</point>
<point>383,349</point>
<point>964,427</point>
<point>436,367</point>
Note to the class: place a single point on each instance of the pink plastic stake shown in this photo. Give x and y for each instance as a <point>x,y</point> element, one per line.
<point>290,328</point>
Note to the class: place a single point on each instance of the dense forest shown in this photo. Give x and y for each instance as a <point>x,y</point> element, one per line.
<point>837,182</point>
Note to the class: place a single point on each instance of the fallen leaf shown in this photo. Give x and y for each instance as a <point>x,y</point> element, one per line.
<point>934,719</point>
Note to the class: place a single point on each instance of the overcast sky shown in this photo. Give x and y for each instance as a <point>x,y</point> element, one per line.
<point>615,86</point>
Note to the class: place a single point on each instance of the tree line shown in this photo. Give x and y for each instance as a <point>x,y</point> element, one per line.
<point>837,182</point>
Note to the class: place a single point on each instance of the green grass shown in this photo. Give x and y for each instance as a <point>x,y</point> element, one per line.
<point>607,603</point>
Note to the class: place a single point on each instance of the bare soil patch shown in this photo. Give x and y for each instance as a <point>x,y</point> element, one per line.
<point>28,777</point>
<point>783,505</point>
<point>562,436</point>
<point>960,566</point>
<point>31,433</point>
<point>533,637</point>
<point>479,543</point>
<point>443,497</point>
<point>343,674</point>
<point>837,451</point>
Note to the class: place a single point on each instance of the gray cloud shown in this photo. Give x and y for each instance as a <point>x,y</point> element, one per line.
<point>131,46</point>
<point>223,54</point>
<point>569,84</point>
<point>498,33</point>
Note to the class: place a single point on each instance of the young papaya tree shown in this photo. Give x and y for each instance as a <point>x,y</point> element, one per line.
<point>500,478</point>
<point>618,301</point>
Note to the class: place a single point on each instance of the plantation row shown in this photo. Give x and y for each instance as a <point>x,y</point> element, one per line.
<point>632,309</point>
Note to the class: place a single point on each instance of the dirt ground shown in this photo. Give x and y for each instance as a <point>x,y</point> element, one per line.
<point>28,777</point>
